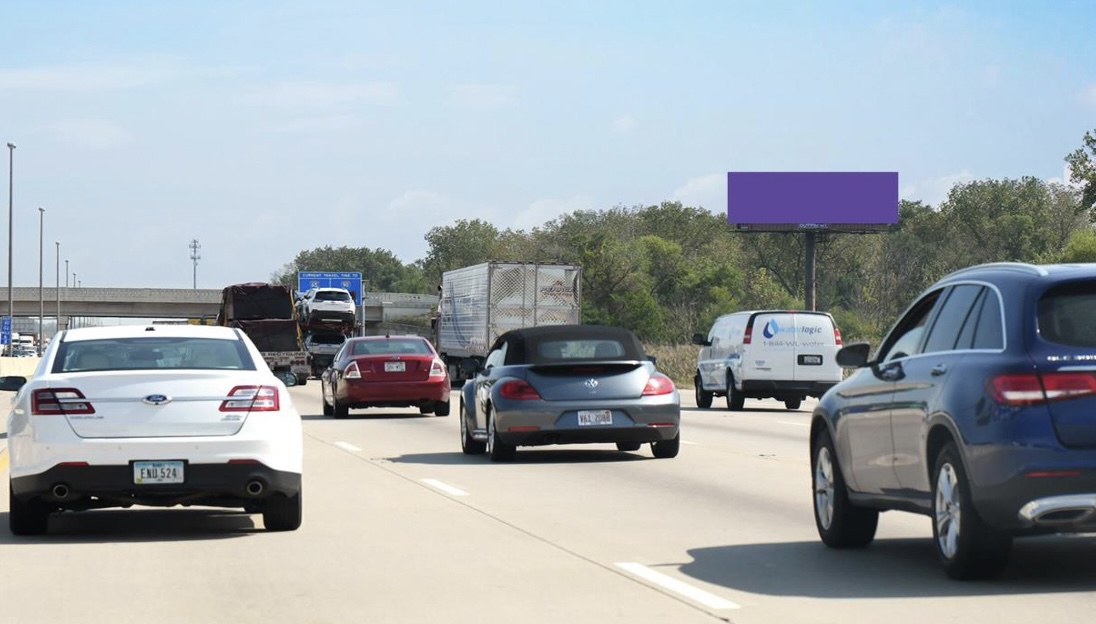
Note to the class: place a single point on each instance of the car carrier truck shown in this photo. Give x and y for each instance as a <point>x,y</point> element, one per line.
<point>478,303</point>
<point>266,313</point>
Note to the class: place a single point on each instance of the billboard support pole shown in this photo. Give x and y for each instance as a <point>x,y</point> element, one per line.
<point>809,238</point>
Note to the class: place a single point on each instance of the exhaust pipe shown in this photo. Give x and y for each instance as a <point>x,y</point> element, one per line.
<point>255,488</point>
<point>60,491</point>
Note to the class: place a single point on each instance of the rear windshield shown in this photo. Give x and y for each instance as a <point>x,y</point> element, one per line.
<point>390,346</point>
<point>547,351</point>
<point>1067,315</point>
<point>152,354</point>
<point>332,295</point>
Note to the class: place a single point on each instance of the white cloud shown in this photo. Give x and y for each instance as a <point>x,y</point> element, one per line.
<point>1064,179</point>
<point>624,124</point>
<point>483,96</point>
<point>542,211</point>
<point>1088,97</point>
<point>89,77</point>
<point>935,190</point>
<point>78,78</point>
<point>323,95</point>
<point>330,123</point>
<point>707,191</point>
<point>90,133</point>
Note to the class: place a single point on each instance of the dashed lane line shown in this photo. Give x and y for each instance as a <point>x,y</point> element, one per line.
<point>444,487</point>
<point>678,587</point>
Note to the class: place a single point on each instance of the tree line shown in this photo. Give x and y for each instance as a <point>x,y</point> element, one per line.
<point>667,270</point>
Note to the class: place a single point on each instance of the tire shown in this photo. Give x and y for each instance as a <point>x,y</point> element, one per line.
<point>327,409</point>
<point>282,513</point>
<point>498,450</point>
<point>703,397</point>
<point>793,404</point>
<point>26,518</point>
<point>338,410</point>
<point>468,444</point>
<point>302,380</point>
<point>840,524</point>
<point>426,410</point>
<point>735,400</point>
<point>967,547</point>
<point>441,408</point>
<point>628,446</point>
<point>667,449</point>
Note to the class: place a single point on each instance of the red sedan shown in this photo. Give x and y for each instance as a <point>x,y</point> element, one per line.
<point>386,371</point>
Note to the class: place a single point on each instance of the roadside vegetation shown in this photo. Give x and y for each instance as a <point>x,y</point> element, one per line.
<point>667,271</point>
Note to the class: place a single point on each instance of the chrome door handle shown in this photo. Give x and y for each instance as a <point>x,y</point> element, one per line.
<point>939,369</point>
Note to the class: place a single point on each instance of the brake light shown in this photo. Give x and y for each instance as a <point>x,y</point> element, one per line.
<point>748,335</point>
<point>352,371</point>
<point>518,389</point>
<point>1032,388</point>
<point>658,385</point>
<point>836,335</point>
<point>437,368</point>
<point>50,401</point>
<point>251,399</point>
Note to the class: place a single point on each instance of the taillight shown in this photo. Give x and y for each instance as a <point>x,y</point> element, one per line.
<point>518,389</point>
<point>657,385</point>
<point>437,368</point>
<point>1032,388</point>
<point>50,401</point>
<point>352,371</point>
<point>749,335</point>
<point>251,399</point>
<point>837,335</point>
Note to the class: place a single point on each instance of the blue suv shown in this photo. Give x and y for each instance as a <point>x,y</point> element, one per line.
<point>978,410</point>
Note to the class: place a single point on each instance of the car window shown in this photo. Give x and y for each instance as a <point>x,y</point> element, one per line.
<point>152,353</point>
<point>1067,315</point>
<point>954,312</point>
<point>989,333</point>
<point>332,295</point>
<point>905,338</point>
<point>497,356</point>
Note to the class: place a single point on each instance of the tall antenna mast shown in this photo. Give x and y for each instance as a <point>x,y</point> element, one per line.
<point>195,256</point>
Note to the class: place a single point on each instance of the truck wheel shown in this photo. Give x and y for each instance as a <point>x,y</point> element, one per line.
<point>703,397</point>
<point>302,379</point>
<point>735,400</point>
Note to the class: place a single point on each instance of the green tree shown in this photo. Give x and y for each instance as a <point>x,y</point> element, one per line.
<point>1082,170</point>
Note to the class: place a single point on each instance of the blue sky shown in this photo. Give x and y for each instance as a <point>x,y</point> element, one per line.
<point>262,129</point>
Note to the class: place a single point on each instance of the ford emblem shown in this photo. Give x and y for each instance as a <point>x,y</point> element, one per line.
<point>156,399</point>
<point>590,383</point>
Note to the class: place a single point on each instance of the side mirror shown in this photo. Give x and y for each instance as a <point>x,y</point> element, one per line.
<point>470,367</point>
<point>12,383</point>
<point>854,355</point>
<point>287,377</point>
<point>653,359</point>
<point>702,340</point>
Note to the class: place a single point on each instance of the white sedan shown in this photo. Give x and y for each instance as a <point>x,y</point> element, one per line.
<point>158,415</point>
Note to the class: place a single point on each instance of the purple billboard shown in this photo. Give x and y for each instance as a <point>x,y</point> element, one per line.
<point>781,201</point>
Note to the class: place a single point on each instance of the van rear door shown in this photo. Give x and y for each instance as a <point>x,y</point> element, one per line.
<point>815,348</point>
<point>772,337</point>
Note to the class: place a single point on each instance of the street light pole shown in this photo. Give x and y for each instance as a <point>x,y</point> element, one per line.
<point>41,300</point>
<point>11,183</point>
<point>57,288</point>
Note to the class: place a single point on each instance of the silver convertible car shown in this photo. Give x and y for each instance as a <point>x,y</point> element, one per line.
<point>568,384</point>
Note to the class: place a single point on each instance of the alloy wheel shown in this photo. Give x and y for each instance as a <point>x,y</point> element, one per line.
<point>948,511</point>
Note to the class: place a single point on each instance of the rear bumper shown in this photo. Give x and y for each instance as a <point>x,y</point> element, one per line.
<point>393,394</point>
<point>764,388</point>
<point>634,434</point>
<point>225,485</point>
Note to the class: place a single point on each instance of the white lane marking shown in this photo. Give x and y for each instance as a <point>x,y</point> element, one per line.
<point>346,446</point>
<point>797,424</point>
<point>688,443</point>
<point>693,593</point>
<point>444,487</point>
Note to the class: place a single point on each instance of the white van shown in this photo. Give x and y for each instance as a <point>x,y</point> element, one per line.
<point>787,355</point>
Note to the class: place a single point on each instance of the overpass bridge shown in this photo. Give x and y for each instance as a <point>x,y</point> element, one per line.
<point>174,303</point>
